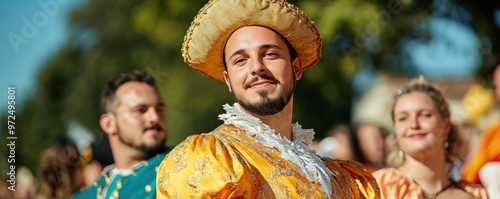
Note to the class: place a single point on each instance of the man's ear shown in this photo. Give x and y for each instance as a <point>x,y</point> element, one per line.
<point>226,79</point>
<point>297,68</point>
<point>108,123</point>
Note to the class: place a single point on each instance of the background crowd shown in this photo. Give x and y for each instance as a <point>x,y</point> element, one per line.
<point>352,121</point>
<point>64,169</point>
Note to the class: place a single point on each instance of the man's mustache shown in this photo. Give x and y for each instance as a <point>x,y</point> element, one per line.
<point>154,127</point>
<point>257,78</point>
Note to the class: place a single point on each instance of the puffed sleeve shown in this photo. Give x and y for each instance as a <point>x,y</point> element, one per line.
<point>394,185</point>
<point>360,181</point>
<point>203,167</point>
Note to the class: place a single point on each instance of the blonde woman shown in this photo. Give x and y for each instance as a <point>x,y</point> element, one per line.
<point>425,148</point>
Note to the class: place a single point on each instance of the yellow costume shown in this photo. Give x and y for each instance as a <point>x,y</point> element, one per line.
<point>244,158</point>
<point>394,184</point>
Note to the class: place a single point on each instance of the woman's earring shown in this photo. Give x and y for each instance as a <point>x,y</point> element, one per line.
<point>446,144</point>
<point>401,153</point>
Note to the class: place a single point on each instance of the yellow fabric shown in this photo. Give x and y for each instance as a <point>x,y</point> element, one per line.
<point>394,184</point>
<point>227,163</point>
<point>477,101</point>
<point>489,148</point>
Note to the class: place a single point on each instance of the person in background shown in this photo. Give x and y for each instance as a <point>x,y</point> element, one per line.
<point>133,118</point>
<point>484,166</point>
<point>425,148</point>
<point>96,156</point>
<point>27,186</point>
<point>60,171</point>
<point>5,192</point>
<point>259,48</point>
<point>370,146</point>
<point>338,144</point>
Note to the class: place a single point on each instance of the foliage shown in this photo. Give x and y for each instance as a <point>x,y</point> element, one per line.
<point>111,37</point>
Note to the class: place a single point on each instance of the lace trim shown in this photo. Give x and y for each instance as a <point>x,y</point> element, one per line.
<point>295,151</point>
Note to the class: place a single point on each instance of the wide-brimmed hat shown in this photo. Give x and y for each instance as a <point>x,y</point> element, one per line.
<point>205,39</point>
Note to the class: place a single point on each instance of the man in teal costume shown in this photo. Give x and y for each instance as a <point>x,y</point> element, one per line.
<point>134,120</point>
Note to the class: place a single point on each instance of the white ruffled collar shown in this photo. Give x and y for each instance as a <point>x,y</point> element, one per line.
<point>296,151</point>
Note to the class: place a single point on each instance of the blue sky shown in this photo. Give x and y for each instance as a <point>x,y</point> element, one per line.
<point>451,53</point>
<point>30,32</point>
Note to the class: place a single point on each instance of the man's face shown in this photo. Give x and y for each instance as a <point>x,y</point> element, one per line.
<point>139,116</point>
<point>260,73</point>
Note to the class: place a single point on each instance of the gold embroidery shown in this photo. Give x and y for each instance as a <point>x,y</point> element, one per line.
<point>251,170</point>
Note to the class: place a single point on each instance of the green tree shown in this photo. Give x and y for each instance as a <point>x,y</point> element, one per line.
<point>111,37</point>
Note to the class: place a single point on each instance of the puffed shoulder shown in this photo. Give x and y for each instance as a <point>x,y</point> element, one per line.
<point>202,166</point>
<point>396,184</point>
<point>391,176</point>
<point>361,181</point>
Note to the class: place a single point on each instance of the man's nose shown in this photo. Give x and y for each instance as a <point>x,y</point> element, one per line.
<point>152,115</point>
<point>257,66</point>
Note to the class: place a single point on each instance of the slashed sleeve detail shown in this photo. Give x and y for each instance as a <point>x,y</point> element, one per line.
<point>203,167</point>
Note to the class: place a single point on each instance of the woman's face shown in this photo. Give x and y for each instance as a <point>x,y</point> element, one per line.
<point>419,127</point>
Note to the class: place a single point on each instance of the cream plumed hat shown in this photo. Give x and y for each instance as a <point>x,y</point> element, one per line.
<point>205,39</point>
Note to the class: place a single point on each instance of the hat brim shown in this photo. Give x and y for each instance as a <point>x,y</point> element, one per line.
<point>205,39</point>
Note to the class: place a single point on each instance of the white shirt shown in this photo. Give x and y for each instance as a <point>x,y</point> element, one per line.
<point>490,178</point>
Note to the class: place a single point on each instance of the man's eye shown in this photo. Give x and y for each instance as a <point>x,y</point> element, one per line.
<point>140,110</point>
<point>160,109</point>
<point>270,54</point>
<point>239,61</point>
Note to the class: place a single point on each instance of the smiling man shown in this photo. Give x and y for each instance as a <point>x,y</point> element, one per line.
<point>133,118</point>
<point>259,48</point>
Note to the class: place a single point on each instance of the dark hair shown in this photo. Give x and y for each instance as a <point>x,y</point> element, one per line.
<point>454,149</point>
<point>58,165</point>
<point>291,49</point>
<point>109,91</point>
<point>99,150</point>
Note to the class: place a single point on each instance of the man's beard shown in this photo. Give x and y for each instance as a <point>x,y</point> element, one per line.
<point>150,151</point>
<point>267,105</point>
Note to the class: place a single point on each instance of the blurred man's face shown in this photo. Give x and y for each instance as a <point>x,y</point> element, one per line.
<point>140,118</point>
